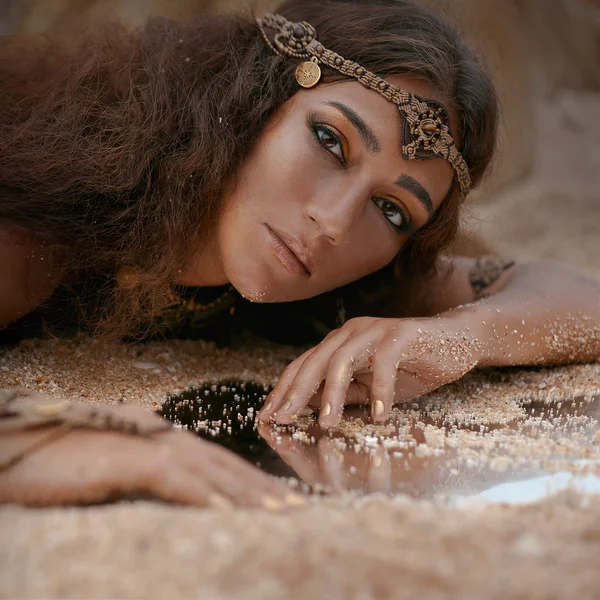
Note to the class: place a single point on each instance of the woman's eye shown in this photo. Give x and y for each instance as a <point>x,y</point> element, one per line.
<point>331,143</point>
<point>391,211</point>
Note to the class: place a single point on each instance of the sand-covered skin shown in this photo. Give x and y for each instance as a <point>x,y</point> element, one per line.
<point>338,548</point>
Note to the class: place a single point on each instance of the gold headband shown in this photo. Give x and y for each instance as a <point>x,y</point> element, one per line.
<point>426,124</point>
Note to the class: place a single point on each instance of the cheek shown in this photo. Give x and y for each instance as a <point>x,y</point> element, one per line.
<point>367,254</point>
<point>285,174</point>
<point>277,176</point>
<point>235,230</point>
<point>370,247</point>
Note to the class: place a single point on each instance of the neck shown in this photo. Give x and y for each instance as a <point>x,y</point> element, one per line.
<point>204,270</point>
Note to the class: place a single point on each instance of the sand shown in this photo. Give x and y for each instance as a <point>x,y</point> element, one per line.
<point>379,550</point>
<point>347,547</point>
<point>554,214</point>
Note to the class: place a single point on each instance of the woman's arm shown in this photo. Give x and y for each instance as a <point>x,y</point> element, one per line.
<point>29,273</point>
<point>529,314</point>
<point>480,314</point>
<point>57,452</point>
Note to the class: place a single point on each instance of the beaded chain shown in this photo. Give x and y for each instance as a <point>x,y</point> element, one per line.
<point>426,124</point>
<point>197,313</point>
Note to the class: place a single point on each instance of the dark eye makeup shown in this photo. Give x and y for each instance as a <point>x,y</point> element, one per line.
<point>328,139</point>
<point>393,214</point>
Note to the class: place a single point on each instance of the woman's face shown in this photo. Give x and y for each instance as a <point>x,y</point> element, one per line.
<point>325,197</point>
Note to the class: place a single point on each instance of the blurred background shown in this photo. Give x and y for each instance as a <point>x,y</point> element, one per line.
<point>542,198</point>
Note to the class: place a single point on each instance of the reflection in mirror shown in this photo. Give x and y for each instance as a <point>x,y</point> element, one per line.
<point>421,453</point>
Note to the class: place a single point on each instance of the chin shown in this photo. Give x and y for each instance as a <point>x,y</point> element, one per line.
<point>266,294</point>
<point>254,294</point>
<point>265,290</point>
<point>253,286</point>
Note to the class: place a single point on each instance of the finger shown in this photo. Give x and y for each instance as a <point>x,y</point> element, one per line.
<point>332,465</point>
<point>380,473</point>
<point>145,466</point>
<point>357,465</point>
<point>309,377</point>
<point>358,393</point>
<point>275,398</point>
<point>352,356</point>
<point>235,478</point>
<point>383,385</point>
<point>303,459</point>
<point>247,485</point>
<point>177,485</point>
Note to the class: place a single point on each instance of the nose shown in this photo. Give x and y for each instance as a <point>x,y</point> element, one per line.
<point>334,211</point>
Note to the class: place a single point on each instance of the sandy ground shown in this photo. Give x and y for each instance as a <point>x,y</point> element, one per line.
<point>555,213</point>
<point>344,547</point>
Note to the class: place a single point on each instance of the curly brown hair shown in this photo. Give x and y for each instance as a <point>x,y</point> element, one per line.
<point>118,149</point>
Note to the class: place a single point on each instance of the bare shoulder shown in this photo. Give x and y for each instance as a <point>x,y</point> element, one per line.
<point>460,280</point>
<point>29,273</point>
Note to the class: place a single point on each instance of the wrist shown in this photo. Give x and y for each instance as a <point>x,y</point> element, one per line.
<point>471,323</point>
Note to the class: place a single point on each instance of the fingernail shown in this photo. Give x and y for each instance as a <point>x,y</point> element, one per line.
<point>267,406</point>
<point>377,460</point>
<point>287,405</point>
<point>379,408</point>
<point>272,504</point>
<point>295,500</point>
<point>51,409</point>
<point>220,502</point>
<point>326,410</point>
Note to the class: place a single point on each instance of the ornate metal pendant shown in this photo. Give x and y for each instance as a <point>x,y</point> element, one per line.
<point>308,73</point>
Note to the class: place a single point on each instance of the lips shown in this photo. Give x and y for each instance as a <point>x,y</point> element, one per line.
<point>290,252</point>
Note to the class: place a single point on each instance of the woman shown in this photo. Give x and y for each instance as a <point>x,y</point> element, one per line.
<point>278,159</point>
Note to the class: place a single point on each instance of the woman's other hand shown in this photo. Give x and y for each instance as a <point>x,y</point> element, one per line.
<point>87,466</point>
<point>381,361</point>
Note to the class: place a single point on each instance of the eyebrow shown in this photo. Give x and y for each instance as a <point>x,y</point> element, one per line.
<point>366,133</point>
<point>406,182</point>
<point>411,185</point>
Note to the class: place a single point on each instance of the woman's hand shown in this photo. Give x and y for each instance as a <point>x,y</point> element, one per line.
<point>87,466</point>
<point>381,361</point>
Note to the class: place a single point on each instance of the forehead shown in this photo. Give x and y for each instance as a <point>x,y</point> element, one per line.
<point>384,118</point>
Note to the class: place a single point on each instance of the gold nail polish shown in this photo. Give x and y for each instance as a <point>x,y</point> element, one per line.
<point>267,406</point>
<point>377,460</point>
<point>295,500</point>
<point>272,504</point>
<point>379,408</point>
<point>47,410</point>
<point>219,501</point>
<point>287,405</point>
<point>326,410</point>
